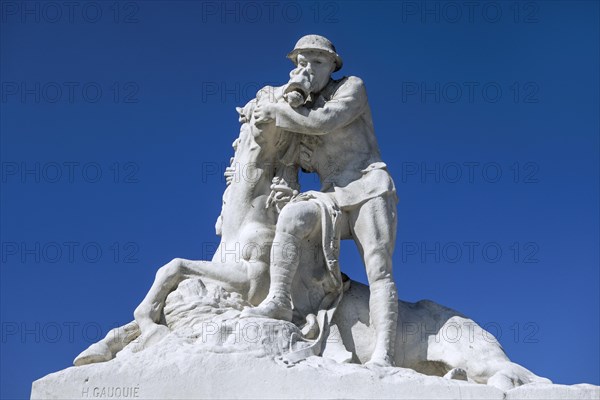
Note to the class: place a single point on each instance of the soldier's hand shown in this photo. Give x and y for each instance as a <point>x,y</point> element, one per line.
<point>280,195</point>
<point>264,112</point>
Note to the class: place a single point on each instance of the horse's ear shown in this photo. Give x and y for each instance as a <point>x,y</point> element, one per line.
<point>239,110</point>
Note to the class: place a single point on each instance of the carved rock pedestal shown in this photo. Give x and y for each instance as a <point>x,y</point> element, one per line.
<point>212,353</point>
<point>176,371</point>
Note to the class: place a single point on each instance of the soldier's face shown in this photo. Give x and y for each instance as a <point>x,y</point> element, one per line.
<point>316,67</point>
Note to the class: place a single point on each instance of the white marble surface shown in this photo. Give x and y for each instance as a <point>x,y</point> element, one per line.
<point>176,371</point>
<point>212,353</point>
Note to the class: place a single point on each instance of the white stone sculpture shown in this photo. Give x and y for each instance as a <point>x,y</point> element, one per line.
<point>278,318</point>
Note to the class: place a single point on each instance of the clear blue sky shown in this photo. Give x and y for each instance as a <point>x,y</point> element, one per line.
<point>117,119</point>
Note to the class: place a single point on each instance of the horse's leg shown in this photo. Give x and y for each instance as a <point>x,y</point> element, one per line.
<point>107,348</point>
<point>147,314</point>
<point>232,276</point>
<point>167,278</point>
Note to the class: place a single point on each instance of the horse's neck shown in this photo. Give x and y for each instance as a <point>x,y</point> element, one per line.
<point>256,156</point>
<point>245,198</point>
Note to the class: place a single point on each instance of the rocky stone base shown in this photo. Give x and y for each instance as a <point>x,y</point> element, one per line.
<point>181,372</point>
<point>210,353</point>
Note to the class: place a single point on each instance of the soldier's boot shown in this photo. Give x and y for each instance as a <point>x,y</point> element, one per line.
<point>383,306</point>
<point>284,262</point>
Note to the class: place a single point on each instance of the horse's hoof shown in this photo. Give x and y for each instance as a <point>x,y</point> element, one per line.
<point>98,352</point>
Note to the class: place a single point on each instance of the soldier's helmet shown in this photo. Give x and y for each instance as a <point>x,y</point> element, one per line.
<point>317,43</point>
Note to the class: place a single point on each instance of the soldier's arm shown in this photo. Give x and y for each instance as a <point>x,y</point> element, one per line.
<point>345,106</point>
